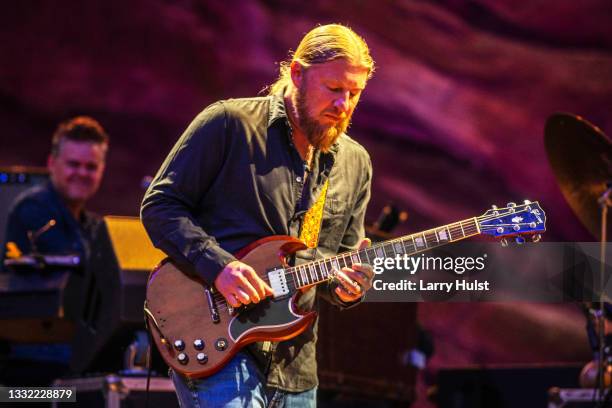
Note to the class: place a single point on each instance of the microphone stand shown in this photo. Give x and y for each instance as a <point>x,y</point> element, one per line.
<point>33,237</point>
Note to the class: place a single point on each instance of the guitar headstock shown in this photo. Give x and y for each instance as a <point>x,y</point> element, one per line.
<point>514,221</point>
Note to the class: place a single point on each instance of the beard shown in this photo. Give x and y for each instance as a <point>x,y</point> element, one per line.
<point>319,135</point>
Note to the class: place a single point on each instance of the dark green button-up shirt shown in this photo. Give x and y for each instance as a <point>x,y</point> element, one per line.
<point>235,177</point>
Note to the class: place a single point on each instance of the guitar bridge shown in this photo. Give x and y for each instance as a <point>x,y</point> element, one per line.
<point>278,282</point>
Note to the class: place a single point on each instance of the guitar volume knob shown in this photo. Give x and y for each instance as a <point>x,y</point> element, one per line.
<point>198,344</point>
<point>182,358</point>
<point>202,358</point>
<point>179,345</point>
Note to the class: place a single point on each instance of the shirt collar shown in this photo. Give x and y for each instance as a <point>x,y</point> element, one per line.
<point>277,108</point>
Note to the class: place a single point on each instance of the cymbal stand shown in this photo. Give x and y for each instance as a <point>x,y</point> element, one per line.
<point>605,202</point>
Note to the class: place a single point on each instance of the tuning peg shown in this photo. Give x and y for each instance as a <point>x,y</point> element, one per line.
<point>520,240</point>
<point>494,207</point>
<point>503,242</point>
<point>511,204</point>
<point>527,202</point>
<point>536,238</point>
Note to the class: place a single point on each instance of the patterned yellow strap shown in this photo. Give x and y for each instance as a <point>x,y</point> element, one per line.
<point>312,220</point>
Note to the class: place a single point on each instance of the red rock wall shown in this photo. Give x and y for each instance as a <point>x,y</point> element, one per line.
<point>453,117</point>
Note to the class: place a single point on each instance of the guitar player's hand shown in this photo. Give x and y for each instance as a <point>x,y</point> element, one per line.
<point>355,281</point>
<point>240,285</point>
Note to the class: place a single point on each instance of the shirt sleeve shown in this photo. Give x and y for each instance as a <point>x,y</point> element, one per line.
<point>169,207</point>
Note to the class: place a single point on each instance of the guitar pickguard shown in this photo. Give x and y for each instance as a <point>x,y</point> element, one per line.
<point>269,313</point>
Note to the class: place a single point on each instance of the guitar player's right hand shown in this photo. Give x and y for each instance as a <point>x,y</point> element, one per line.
<point>240,285</point>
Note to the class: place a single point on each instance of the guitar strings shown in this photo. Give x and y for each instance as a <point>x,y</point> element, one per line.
<point>291,273</point>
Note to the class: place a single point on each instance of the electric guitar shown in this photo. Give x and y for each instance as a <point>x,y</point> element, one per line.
<point>197,332</point>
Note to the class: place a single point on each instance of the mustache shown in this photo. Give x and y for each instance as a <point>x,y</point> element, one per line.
<point>338,115</point>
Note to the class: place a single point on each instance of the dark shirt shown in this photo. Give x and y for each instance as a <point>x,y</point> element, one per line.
<point>34,208</point>
<point>235,177</point>
<point>31,210</point>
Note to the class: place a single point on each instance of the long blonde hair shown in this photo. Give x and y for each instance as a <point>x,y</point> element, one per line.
<point>323,44</point>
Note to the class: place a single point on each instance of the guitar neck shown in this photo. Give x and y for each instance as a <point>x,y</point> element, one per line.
<point>319,271</point>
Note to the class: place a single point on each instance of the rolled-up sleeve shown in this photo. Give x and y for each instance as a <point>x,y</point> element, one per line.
<point>170,204</point>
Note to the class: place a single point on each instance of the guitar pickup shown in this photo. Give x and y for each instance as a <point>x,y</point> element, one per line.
<point>214,313</point>
<point>278,282</point>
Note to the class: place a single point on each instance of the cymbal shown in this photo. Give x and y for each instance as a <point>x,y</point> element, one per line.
<point>580,155</point>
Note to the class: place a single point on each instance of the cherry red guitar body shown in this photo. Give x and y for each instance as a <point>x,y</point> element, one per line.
<point>192,327</point>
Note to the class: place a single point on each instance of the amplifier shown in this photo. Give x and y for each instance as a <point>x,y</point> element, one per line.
<point>111,307</point>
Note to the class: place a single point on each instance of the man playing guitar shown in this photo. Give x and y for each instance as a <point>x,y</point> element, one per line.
<point>247,169</point>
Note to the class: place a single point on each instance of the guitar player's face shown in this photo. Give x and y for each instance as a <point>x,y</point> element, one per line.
<point>76,170</point>
<point>326,96</point>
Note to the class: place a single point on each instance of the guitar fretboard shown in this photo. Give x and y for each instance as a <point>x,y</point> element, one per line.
<point>315,272</point>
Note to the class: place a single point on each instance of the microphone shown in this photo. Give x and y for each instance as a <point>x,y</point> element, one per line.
<point>33,236</point>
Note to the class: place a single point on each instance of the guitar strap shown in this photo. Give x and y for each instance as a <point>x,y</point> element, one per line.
<point>311,226</point>
<point>309,234</point>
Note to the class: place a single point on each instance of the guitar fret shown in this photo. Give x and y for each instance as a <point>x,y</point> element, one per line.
<point>436,236</point>
<point>461,225</point>
<point>296,278</point>
<point>324,270</point>
<point>452,232</point>
<point>388,248</point>
<point>475,225</point>
<point>335,264</point>
<point>470,227</point>
<point>442,235</point>
<point>380,253</point>
<point>343,259</point>
<point>405,242</point>
<point>293,278</point>
<point>418,243</point>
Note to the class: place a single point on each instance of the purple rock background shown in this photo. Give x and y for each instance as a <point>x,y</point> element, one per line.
<point>453,117</point>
